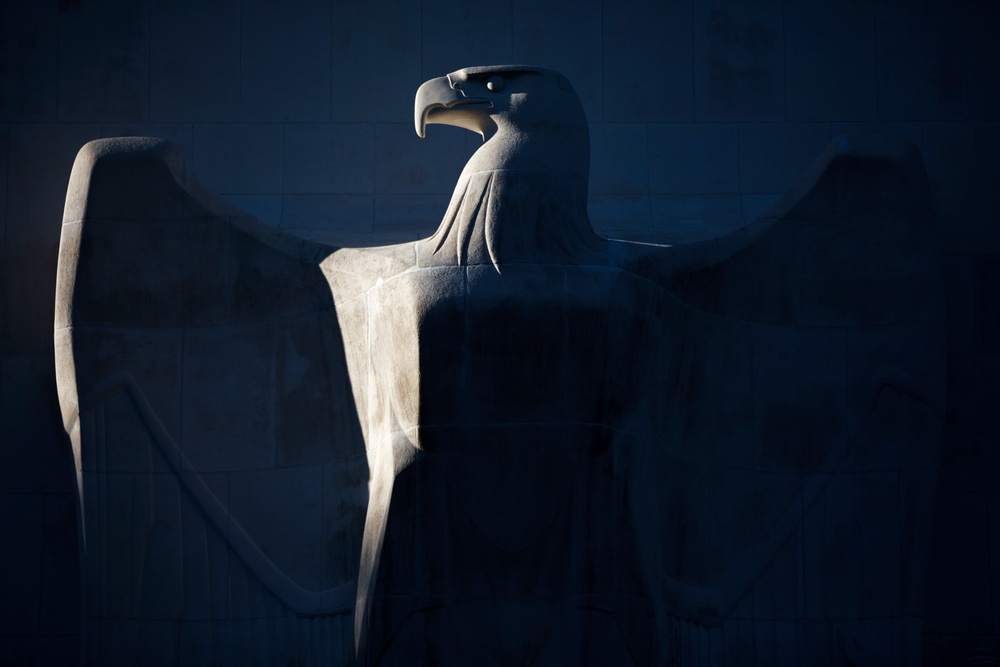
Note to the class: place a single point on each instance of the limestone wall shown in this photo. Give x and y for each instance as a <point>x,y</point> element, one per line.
<point>702,112</point>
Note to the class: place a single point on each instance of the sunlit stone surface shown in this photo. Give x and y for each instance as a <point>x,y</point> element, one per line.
<point>513,442</point>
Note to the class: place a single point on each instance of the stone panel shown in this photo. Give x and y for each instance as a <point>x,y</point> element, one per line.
<point>687,158</point>
<point>22,515</point>
<point>282,511</point>
<point>773,155</point>
<point>223,430</point>
<point>36,188</point>
<point>417,213</point>
<point>739,60</point>
<point>957,600</point>
<point>104,62</point>
<point>921,58</point>
<point>548,35</point>
<point>647,54</point>
<point>376,60</point>
<point>620,216</point>
<point>329,158</point>
<point>29,51</point>
<point>687,218</point>
<point>239,157</point>
<point>194,60</point>
<point>458,34</point>
<point>405,163</point>
<point>285,67</point>
<point>618,158</point>
<point>829,49</point>
<point>318,216</point>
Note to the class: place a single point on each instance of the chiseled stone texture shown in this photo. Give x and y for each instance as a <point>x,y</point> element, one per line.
<point>77,70</point>
<point>512,437</point>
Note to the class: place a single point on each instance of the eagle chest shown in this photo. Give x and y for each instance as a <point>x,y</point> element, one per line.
<point>531,344</point>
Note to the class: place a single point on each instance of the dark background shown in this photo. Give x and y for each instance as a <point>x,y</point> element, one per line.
<point>702,113</point>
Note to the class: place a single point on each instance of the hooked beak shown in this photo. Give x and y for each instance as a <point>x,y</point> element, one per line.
<point>439,101</point>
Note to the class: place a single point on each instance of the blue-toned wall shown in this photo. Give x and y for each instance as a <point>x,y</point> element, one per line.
<point>702,112</point>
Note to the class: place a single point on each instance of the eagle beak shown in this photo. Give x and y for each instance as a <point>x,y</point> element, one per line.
<point>440,100</point>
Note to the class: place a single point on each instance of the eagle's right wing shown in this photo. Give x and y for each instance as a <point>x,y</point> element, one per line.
<point>203,379</point>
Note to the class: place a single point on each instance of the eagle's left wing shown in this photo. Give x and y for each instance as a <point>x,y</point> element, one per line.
<point>795,473</point>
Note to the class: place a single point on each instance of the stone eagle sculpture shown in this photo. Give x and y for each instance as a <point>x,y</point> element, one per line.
<point>513,442</point>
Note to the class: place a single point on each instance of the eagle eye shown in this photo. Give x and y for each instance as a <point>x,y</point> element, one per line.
<point>494,84</point>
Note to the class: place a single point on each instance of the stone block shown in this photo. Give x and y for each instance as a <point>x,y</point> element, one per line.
<point>380,37</point>
<point>239,158</point>
<point>285,61</point>
<point>157,564</point>
<point>903,418</point>
<point>204,556</point>
<point>163,635</point>
<point>829,50</point>
<point>917,492</point>
<point>957,600</point>
<point>4,160</point>
<point>406,164</point>
<point>982,100</point>
<point>417,213</point>
<point>281,510</point>
<point>972,424</point>
<point>986,283</point>
<point>317,216</point>
<point>620,216</point>
<point>22,516</point>
<point>548,35</point>
<point>758,206</point>
<point>905,130</point>
<point>329,158</point>
<point>994,514</point>
<point>223,429</point>
<point>104,62</point>
<point>186,281</point>
<point>59,595</point>
<point>773,155</point>
<point>453,36</point>
<point>517,301</point>
<point>647,53</point>
<point>718,358</point>
<point>880,548</point>
<point>194,644</point>
<point>345,504</point>
<point>27,304</point>
<point>739,68</point>
<point>618,159</point>
<point>315,417</point>
<point>194,61</point>
<point>778,593</point>
<point>688,218</point>
<point>920,59</point>
<point>36,189</point>
<point>800,415</point>
<point>35,457</point>
<point>963,165</point>
<point>266,208</point>
<point>832,567</point>
<point>28,48</point>
<point>692,158</point>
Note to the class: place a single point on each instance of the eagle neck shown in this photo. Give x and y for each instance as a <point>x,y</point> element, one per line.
<point>517,215</point>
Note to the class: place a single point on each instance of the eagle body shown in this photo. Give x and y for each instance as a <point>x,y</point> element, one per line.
<point>508,404</point>
<point>548,448</point>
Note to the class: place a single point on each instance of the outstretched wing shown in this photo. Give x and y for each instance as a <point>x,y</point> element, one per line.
<point>795,473</point>
<point>203,379</point>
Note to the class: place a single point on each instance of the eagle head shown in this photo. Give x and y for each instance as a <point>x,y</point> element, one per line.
<point>529,117</point>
